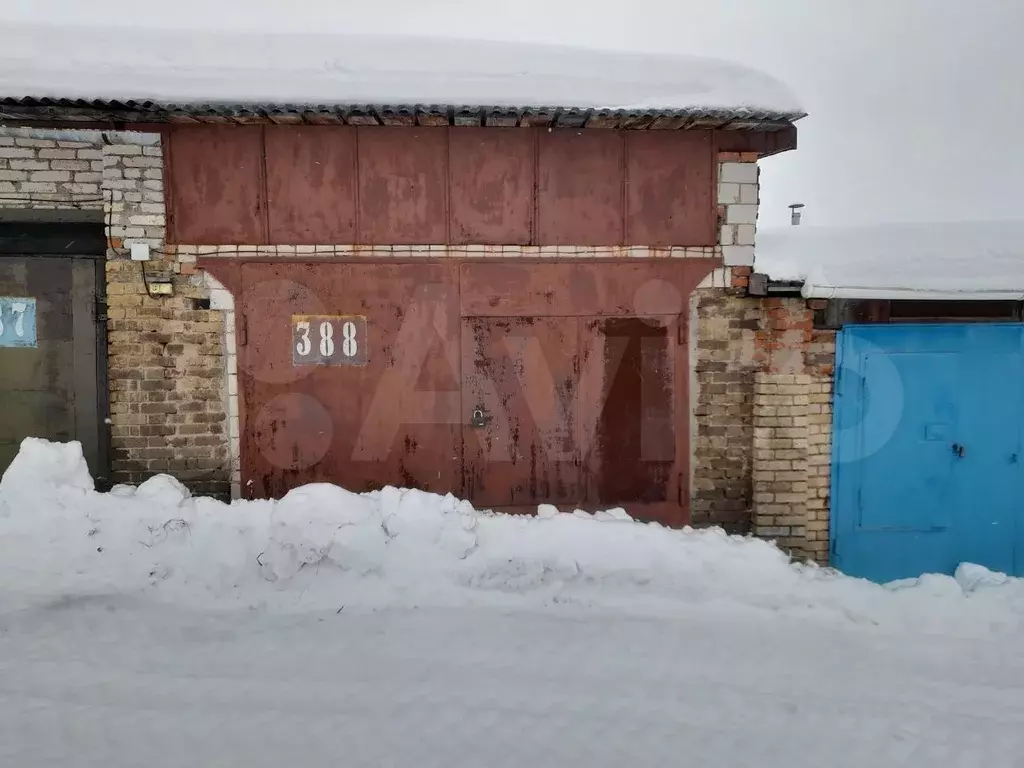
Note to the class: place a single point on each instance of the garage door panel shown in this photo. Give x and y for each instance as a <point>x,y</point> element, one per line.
<point>615,288</point>
<point>628,401</point>
<point>926,449</point>
<point>499,410</point>
<point>988,473</point>
<point>910,418</point>
<point>216,187</point>
<point>580,188</point>
<point>311,183</point>
<point>492,185</point>
<point>383,421</point>
<point>49,364</point>
<point>402,186</point>
<point>37,413</point>
<point>520,407</point>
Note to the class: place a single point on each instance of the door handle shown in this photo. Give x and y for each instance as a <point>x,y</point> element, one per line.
<point>959,450</point>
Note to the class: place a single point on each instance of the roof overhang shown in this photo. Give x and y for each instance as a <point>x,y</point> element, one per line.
<point>65,111</point>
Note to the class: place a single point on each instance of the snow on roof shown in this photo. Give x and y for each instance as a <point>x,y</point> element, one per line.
<point>202,66</point>
<point>927,260</point>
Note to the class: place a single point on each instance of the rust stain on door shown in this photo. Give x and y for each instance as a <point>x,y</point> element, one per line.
<point>311,184</point>
<point>519,403</point>
<point>616,288</point>
<point>554,402</point>
<point>216,191</point>
<point>670,188</point>
<point>403,185</point>
<point>393,420</point>
<point>628,409</point>
<point>382,185</point>
<point>492,185</point>
<point>579,188</point>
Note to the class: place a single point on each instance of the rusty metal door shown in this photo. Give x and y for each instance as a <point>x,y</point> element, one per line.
<point>52,346</point>
<point>519,400</point>
<point>629,401</point>
<point>349,374</point>
<point>509,384</point>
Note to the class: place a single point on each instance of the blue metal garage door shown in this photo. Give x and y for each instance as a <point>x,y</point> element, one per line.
<point>927,449</point>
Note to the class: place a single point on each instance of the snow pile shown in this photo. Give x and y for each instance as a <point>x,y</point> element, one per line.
<point>322,547</point>
<point>41,464</point>
<point>948,258</point>
<point>203,66</point>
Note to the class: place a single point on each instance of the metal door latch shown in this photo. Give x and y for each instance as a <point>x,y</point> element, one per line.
<point>959,450</point>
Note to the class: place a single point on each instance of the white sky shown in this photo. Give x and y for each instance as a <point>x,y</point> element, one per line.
<point>916,105</point>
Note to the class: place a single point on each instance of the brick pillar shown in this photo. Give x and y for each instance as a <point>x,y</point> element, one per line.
<point>819,466</point>
<point>166,353</point>
<point>782,457</point>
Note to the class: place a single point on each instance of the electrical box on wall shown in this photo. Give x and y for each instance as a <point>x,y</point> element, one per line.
<point>140,251</point>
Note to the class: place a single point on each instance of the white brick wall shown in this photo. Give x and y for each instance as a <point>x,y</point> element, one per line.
<point>738,173</point>
<point>44,173</point>
<point>136,210</point>
<point>738,196</point>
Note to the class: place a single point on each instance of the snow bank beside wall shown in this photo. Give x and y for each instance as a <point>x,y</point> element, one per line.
<point>321,548</point>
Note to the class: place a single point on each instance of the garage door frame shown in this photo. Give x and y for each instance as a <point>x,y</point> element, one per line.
<point>78,236</point>
<point>525,287</point>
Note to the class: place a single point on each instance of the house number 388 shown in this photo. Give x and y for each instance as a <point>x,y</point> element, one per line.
<point>316,340</point>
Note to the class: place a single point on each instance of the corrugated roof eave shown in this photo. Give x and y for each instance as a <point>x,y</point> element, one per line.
<point>133,110</point>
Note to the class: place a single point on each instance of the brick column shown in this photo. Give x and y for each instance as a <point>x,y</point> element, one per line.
<point>166,353</point>
<point>738,197</point>
<point>782,457</point>
<point>819,466</point>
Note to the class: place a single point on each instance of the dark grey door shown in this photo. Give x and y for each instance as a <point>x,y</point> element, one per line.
<point>52,349</point>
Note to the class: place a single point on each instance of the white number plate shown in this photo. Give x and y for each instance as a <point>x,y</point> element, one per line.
<point>328,340</point>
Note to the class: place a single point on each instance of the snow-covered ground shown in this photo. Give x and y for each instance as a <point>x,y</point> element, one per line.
<point>144,627</point>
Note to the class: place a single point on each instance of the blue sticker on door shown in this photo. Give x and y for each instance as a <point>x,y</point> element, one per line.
<point>17,322</point>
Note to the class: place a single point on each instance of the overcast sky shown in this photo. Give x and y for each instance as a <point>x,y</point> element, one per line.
<point>917,106</point>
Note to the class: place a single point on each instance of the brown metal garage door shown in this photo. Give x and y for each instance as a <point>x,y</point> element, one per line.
<point>52,347</point>
<point>510,383</point>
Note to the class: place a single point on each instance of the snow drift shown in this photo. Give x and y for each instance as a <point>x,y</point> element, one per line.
<point>321,547</point>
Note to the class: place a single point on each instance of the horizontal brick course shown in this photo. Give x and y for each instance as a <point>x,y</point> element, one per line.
<point>35,143</point>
